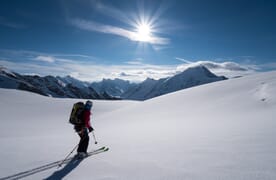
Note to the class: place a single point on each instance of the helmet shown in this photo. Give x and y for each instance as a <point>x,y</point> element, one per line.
<point>88,104</point>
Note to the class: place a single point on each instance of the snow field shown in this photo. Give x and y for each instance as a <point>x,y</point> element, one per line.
<point>223,130</point>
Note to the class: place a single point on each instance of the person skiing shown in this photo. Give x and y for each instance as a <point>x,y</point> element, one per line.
<point>83,129</point>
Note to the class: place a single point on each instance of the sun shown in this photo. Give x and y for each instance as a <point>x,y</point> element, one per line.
<point>144,32</point>
<point>145,29</point>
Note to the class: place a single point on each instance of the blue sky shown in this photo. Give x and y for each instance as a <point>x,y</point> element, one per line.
<point>135,39</point>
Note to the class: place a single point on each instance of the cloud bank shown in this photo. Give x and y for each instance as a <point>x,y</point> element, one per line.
<point>135,70</point>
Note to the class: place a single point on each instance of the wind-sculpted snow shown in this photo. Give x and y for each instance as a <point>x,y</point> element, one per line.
<point>224,130</point>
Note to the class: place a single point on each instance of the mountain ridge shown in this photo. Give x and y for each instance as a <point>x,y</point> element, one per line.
<point>48,85</point>
<point>69,87</point>
<point>191,77</point>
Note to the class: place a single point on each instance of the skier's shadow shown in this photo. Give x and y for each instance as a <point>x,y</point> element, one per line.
<point>66,169</point>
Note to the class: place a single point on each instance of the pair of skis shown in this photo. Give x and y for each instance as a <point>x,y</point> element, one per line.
<point>90,153</point>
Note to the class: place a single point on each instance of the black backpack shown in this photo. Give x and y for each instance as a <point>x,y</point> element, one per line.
<point>77,113</point>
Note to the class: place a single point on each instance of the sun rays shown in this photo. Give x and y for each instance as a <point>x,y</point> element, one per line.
<point>143,33</point>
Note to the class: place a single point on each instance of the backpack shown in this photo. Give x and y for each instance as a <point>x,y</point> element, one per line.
<point>76,114</point>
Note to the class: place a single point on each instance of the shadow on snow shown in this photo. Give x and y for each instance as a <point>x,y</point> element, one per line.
<point>72,163</point>
<point>66,170</point>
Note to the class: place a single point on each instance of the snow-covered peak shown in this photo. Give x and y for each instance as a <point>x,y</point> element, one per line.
<point>114,87</point>
<point>5,71</point>
<point>70,80</point>
<point>198,71</point>
<point>192,76</point>
<point>149,81</point>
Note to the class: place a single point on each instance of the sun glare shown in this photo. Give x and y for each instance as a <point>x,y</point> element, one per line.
<point>144,32</point>
<point>145,28</point>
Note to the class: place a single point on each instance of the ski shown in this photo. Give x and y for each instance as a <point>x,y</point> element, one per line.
<point>100,149</point>
<point>94,152</point>
<point>90,153</point>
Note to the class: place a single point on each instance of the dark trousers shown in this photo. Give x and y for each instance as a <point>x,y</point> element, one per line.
<point>84,141</point>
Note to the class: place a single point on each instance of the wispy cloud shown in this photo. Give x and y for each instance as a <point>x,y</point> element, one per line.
<point>48,59</point>
<point>11,24</point>
<point>94,26</point>
<point>112,12</point>
<point>130,21</point>
<point>183,60</point>
<point>41,56</point>
<point>267,66</point>
<point>231,66</point>
<point>137,61</point>
<point>226,68</point>
<point>108,29</point>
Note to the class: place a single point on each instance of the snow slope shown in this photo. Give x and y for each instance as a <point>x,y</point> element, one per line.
<point>223,130</point>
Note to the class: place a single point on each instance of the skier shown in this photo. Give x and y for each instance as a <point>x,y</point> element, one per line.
<point>82,130</point>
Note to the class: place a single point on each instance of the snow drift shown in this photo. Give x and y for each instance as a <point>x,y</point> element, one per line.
<point>223,130</point>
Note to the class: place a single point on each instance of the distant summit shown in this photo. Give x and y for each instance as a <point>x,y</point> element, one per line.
<point>151,88</point>
<point>114,87</point>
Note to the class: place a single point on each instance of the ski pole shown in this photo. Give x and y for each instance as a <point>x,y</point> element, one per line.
<point>94,137</point>
<point>59,165</point>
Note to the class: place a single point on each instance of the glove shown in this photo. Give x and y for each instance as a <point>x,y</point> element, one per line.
<point>90,129</point>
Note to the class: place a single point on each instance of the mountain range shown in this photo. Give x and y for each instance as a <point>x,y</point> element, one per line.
<point>63,87</point>
<point>69,87</point>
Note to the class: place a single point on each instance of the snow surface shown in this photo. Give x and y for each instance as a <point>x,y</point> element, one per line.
<point>223,130</point>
